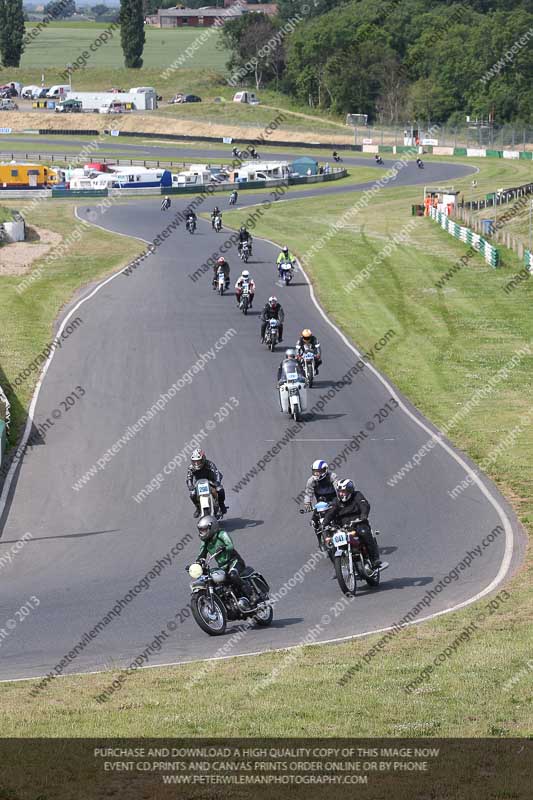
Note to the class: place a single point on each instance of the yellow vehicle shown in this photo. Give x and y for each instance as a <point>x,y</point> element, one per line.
<point>27,176</point>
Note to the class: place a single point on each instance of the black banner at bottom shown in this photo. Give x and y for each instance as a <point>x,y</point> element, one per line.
<point>146,769</point>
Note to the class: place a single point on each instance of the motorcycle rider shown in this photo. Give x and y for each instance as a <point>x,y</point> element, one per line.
<point>191,218</point>
<point>378,158</point>
<point>244,236</point>
<point>322,485</point>
<point>236,153</point>
<point>285,257</point>
<point>201,468</point>
<point>216,212</point>
<point>308,340</point>
<point>290,364</point>
<point>336,156</point>
<point>253,152</point>
<point>243,278</point>
<point>219,544</point>
<point>272,310</point>
<point>233,197</point>
<point>223,265</point>
<point>419,163</point>
<point>349,506</point>
<point>165,205</point>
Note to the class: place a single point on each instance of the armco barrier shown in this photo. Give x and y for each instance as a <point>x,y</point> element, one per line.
<point>484,248</point>
<point>56,192</point>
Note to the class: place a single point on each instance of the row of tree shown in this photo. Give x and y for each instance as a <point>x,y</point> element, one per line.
<point>394,60</point>
<point>12,29</point>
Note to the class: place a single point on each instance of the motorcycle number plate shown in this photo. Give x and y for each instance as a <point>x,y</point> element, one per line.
<point>292,376</point>
<point>203,489</point>
<point>340,539</point>
<point>293,392</point>
<point>309,357</point>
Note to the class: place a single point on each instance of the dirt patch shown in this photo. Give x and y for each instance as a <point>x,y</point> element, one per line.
<point>156,123</point>
<point>18,257</point>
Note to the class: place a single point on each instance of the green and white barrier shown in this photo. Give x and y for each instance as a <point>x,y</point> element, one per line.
<point>2,441</point>
<point>487,250</point>
<point>528,259</point>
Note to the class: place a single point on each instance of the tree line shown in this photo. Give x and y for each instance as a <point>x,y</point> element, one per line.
<point>395,60</point>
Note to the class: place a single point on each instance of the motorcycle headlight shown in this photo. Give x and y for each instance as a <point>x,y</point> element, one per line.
<point>195,571</point>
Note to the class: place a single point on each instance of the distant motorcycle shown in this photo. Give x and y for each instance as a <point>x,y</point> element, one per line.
<point>244,303</point>
<point>191,224</point>
<point>419,163</point>
<point>320,508</point>
<point>351,559</point>
<point>214,603</point>
<point>308,362</point>
<point>379,160</point>
<point>286,271</point>
<point>222,282</point>
<point>208,498</point>
<point>337,158</point>
<point>233,198</point>
<point>255,155</point>
<point>236,153</point>
<point>218,223</point>
<point>245,251</point>
<point>293,396</point>
<point>272,334</point>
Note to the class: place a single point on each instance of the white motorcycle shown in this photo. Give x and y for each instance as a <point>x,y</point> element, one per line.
<point>293,396</point>
<point>272,334</point>
<point>244,303</point>
<point>218,223</point>
<point>208,498</point>
<point>221,282</point>
<point>286,271</point>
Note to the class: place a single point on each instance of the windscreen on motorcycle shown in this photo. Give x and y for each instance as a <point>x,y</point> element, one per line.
<point>291,369</point>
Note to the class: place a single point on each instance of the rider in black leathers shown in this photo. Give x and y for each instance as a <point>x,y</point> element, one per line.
<point>350,505</point>
<point>272,310</point>
<point>244,236</point>
<point>201,468</point>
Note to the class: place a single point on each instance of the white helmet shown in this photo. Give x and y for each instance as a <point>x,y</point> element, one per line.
<point>290,353</point>
<point>245,274</point>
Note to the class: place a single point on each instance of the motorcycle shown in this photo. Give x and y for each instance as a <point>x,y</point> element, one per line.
<point>351,559</point>
<point>217,225</point>
<point>236,153</point>
<point>419,163</point>
<point>321,507</point>
<point>208,498</point>
<point>244,303</point>
<point>293,396</point>
<point>214,603</point>
<point>286,271</point>
<point>190,224</point>
<point>308,362</point>
<point>272,334</point>
<point>222,282</point>
<point>337,158</point>
<point>245,251</point>
<point>233,198</point>
<point>255,155</point>
<point>379,161</point>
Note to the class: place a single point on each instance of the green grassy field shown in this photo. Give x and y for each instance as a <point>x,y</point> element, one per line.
<point>61,43</point>
<point>448,343</point>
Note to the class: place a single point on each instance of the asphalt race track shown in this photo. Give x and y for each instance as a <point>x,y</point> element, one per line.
<point>140,333</point>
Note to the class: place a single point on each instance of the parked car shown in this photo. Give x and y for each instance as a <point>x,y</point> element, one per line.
<point>114,108</point>
<point>69,107</point>
<point>190,98</point>
<point>8,105</point>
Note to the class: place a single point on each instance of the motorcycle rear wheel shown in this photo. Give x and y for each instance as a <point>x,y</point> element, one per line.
<point>346,580</point>
<point>212,622</point>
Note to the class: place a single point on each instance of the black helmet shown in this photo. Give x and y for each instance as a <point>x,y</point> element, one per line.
<point>207,528</point>
<point>345,490</point>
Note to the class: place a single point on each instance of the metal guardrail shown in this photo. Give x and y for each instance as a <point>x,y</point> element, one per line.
<point>74,158</point>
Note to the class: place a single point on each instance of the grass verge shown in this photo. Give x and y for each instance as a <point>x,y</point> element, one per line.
<point>460,336</point>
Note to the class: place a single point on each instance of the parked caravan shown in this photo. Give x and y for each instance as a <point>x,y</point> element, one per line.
<point>246,97</point>
<point>27,176</point>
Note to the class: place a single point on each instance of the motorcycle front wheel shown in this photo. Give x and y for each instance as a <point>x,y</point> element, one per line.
<point>345,578</point>
<point>210,616</point>
<point>264,616</point>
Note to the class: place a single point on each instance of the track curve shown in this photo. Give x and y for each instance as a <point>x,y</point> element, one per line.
<point>91,546</point>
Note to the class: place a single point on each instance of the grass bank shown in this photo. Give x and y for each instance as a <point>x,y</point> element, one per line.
<point>449,343</point>
<point>27,318</point>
